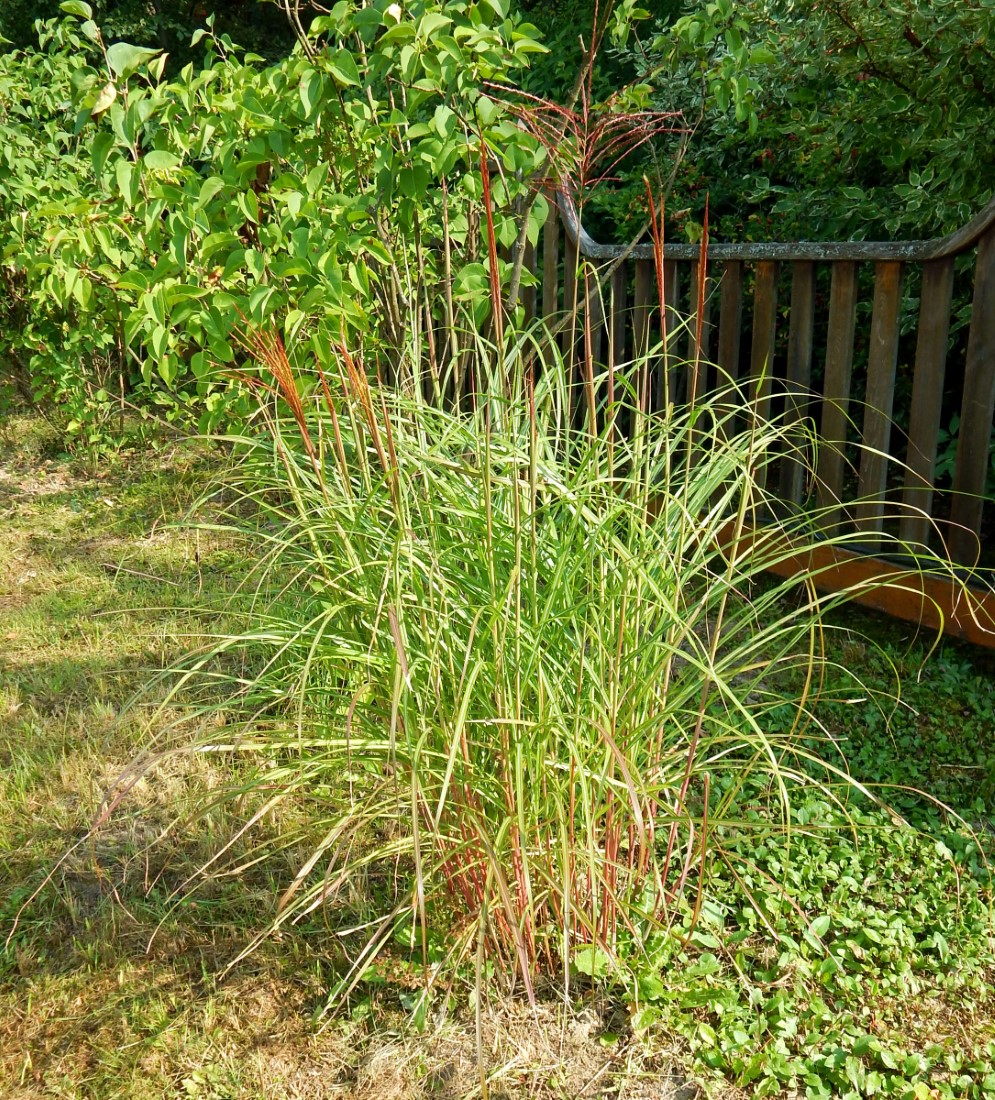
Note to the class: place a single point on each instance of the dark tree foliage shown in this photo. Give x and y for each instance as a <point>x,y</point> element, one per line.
<point>258,25</point>
<point>825,119</point>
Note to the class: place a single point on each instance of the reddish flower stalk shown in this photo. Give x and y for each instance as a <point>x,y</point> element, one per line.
<point>656,229</point>
<point>700,306</point>
<point>268,350</point>
<point>485,176</point>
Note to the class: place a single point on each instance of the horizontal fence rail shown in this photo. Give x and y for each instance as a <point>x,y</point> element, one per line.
<point>830,332</point>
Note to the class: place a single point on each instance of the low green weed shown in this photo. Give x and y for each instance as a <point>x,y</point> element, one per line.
<point>853,964</point>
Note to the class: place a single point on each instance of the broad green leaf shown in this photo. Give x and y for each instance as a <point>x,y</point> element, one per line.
<point>110,250</point>
<point>159,341</point>
<point>396,32</point>
<point>69,281</point>
<point>155,306</point>
<point>167,370</point>
<point>122,123</point>
<point>101,146</point>
<point>255,263</point>
<point>126,181</point>
<point>133,280</point>
<point>310,90</point>
<point>183,292</point>
<point>592,960</point>
<point>642,1019</point>
<point>707,964</point>
<point>161,160</point>
<point>234,262</point>
<point>444,120</point>
<point>487,111</point>
<point>820,926</point>
<point>315,178</point>
<point>249,205</point>
<point>108,93</point>
<point>344,69</point>
<point>413,182</point>
<point>76,7</point>
<point>292,325</point>
<point>178,244</point>
<point>212,186</point>
<point>760,55</point>
<point>124,59</point>
<point>83,116</point>
<point>261,302</point>
<point>651,988</point>
<point>431,23</point>
<point>215,241</point>
<point>367,22</point>
<point>83,292</point>
<point>720,90</point>
<point>537,219</point>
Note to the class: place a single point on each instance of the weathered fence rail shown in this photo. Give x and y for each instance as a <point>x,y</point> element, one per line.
<point>741,329</point>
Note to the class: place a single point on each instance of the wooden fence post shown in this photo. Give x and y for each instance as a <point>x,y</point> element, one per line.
<point>801,332</point>
<point>730,320</point>
<point>927,399</point>
<point>977,410</point>
<point>882,360</point>
<point>836,393</point>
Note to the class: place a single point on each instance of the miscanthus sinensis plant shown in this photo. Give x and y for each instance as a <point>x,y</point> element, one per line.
<point>524,676</point>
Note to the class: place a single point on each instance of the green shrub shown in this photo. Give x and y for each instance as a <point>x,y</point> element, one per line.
<point>144,220</point>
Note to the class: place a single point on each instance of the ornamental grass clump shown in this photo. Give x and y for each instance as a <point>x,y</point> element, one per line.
<point>522,674</point>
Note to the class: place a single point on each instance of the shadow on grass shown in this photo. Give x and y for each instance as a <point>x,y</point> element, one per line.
<point>121,992</point>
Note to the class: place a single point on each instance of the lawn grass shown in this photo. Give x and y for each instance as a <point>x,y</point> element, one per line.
<point>97,593</point>
<point>875,978</point>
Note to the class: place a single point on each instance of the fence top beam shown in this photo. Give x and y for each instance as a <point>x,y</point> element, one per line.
<point>906,251</point>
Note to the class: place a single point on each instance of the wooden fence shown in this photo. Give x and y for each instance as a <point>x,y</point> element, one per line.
<point>829,288</point>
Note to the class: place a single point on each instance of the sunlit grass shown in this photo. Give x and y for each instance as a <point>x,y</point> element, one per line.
<point>98,590</point>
